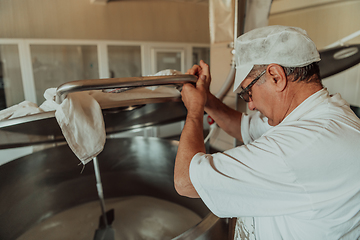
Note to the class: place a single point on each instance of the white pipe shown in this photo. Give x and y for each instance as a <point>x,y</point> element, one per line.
<point>231,76</point>
<point>222,93</point>
<point>227,84</point>
<point>343,40</point>
<point>212,130</point>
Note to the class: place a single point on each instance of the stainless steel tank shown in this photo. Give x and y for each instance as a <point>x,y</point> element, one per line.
<point>39,186</point>
<point>48,188</point>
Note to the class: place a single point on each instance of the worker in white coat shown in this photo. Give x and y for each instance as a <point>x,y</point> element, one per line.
<point>297,175</point>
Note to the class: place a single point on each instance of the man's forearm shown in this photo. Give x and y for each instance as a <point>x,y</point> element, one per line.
<point>191,143</point>
<point>227,118</point>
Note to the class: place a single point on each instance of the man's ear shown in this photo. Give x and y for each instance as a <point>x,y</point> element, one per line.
<point>278,76</point>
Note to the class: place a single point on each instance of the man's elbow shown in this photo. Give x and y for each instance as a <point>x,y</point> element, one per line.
<point>185,188</point>
<point>179,187</point>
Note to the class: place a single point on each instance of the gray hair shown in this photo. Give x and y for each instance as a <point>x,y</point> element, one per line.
<point>308,73</point>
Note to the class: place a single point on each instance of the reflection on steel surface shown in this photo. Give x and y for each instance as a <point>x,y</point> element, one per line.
<point>136,217</point>
<point>338,59</point>
<point>131,82</point>
<point>45,183</point>
<point>44,128</point>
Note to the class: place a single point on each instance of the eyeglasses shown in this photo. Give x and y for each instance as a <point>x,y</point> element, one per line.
<point>244,94</point>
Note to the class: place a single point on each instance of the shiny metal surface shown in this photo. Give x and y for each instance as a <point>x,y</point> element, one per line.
<point>338,59</point>
<point>135,218</point>
<point>38,186</point>
<point>131,82</point>
<point>211,227</point>
<point>43,127</point>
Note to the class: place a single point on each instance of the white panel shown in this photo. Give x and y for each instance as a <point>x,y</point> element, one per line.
<point>188,61</point>
<point>145,60</point>
<point>103,60</point>
<point>27,72</point>
<point>347,83</point>
<point>172,59</point>
<point>124,61</point>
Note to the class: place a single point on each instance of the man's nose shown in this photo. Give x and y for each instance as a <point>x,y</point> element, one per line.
<point>251,105</point>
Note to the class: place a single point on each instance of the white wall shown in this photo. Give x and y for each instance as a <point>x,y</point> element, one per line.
<point>158,22</point>
<point>165,21</point>
<point>326,21</point>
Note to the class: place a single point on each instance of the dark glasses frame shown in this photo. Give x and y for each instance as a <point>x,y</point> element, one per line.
<point>244,94</point>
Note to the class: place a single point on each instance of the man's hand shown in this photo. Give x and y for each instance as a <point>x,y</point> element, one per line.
<point>192,139</point>
<point>195,97</point>
<point>202,70</point>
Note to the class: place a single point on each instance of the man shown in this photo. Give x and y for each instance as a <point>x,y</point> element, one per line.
<point>297,176</point>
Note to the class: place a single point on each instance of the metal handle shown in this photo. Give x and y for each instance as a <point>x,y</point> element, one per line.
<point>131,82</point>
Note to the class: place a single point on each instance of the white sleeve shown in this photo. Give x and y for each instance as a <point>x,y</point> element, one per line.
<point>245,181</point>
<point>253,126</point>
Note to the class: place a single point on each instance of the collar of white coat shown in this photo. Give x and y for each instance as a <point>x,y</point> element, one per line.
<point>309,103</point>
